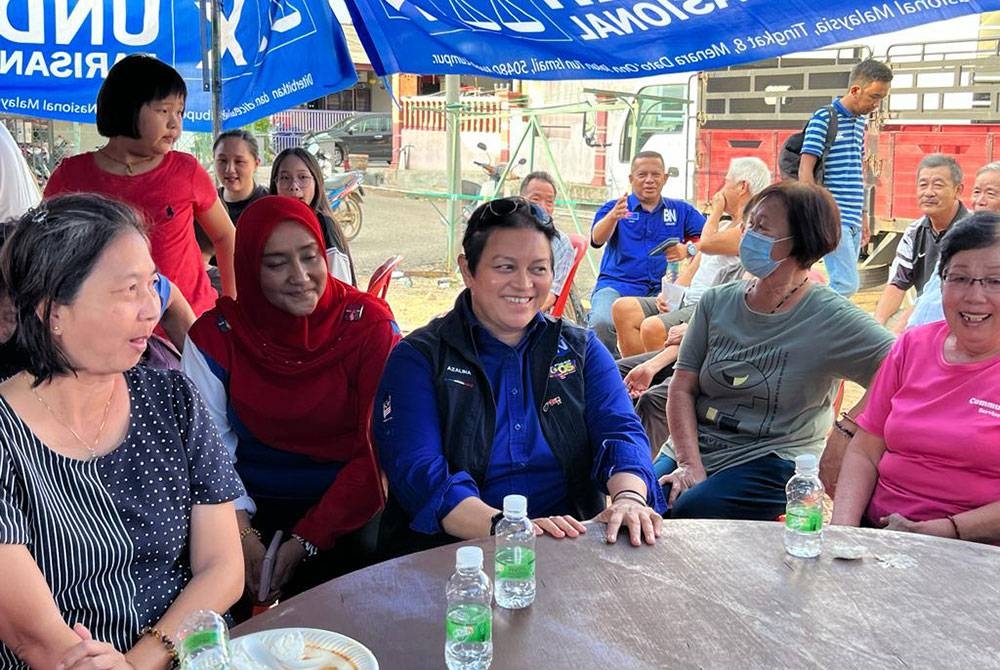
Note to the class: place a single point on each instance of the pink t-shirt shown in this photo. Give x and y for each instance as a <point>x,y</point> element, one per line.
<point>941,426</point>
<point>169,196</point>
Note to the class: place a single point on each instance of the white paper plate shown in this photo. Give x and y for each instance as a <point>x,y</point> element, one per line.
<point>351,654</point>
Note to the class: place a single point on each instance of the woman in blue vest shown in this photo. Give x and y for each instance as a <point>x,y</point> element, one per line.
<point>488,400</point>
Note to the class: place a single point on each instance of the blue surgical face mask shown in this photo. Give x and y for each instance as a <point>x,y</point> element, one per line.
<point>755,253</point>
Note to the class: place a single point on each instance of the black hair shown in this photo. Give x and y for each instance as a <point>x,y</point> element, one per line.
<point>538,175</point>
<point>647,154</point>
<point>132,82</point>
<point>51,252</point>
<point>979,230</point>
<point>517,213</point>
<point>868,71</point>
<point>238,134</point>
<point>319,203</point>
<point>813,218</point>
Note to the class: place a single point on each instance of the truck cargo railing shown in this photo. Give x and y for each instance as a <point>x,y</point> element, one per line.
<point>778,92</point>
<point>945,81</point>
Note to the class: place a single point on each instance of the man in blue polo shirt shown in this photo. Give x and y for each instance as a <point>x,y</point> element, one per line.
<point>843,174</point>
<point>632,226</point>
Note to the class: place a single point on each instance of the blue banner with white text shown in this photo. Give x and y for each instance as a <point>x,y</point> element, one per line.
<point>587,39</point>
<point>275,54</point>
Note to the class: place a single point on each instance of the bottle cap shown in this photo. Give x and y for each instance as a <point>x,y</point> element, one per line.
<point>469,557</point>
<point>806,463</point>
<point>515,505</point>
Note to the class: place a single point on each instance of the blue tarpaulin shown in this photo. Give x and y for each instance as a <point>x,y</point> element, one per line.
<point>587,39</point>
<point>275,54</point>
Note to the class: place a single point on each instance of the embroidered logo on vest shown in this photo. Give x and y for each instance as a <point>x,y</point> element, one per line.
<point>387,408</point>
<point>550,403</point>
<point>562,369</point>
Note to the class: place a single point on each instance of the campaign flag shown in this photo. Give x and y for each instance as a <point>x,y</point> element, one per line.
<point>274,54</point>
<point>585,39</point>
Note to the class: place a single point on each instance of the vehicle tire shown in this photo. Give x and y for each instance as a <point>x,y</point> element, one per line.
<point>338,155</point>
<point>349,216</point>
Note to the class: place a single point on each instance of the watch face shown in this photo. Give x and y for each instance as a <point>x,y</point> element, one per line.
<point>692,249</point>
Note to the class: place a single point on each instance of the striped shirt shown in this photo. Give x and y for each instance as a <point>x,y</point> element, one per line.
<point>843,175</point>
<point>110,535</point>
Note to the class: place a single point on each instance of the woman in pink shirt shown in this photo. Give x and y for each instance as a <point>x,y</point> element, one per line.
<point>925,457</point>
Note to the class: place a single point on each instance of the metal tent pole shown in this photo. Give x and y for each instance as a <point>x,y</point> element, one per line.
<point>454,153</point>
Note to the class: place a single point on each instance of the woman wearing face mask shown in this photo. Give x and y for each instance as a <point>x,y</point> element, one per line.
<point>760,364</point>
<point>296,174</point>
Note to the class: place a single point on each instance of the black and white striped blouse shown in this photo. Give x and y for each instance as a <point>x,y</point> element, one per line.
<point>110,535</point>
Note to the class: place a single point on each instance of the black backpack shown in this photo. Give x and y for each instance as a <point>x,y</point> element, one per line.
<point>791,152</point>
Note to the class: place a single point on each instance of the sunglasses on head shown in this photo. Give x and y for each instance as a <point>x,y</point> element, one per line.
<point>504,207</point>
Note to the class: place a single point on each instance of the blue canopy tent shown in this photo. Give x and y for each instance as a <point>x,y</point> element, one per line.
<point>275,54</point>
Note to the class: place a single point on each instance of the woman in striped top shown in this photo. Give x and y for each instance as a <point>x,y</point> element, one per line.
<point>116,518</point>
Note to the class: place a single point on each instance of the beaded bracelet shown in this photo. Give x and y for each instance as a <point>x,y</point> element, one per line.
<point>167,643</point>
<point>247,531</point>
<point>840,428</point>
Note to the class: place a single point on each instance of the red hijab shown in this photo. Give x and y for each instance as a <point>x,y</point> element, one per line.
<point>290,378</point>
<point>276,339</point>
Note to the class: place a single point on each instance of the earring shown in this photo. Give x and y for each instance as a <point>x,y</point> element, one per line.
<point>56,329</point>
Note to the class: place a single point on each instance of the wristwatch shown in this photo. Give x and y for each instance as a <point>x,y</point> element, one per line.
<point>692,249</point>
<point>311,549</point>
<point>494,520</point>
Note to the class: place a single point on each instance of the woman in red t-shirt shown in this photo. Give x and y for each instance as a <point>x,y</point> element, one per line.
<point>140,109</point>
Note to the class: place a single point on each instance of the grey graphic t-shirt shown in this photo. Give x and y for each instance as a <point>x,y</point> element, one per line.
<point>767,381</point>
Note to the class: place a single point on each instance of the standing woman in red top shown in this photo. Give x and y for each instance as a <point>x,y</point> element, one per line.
<point>140,109</point>
<point>289,371</point>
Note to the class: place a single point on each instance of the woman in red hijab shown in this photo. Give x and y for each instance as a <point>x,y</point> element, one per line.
<point>289,371</point>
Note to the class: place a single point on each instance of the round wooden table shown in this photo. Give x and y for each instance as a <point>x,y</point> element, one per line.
<point>709,594</point>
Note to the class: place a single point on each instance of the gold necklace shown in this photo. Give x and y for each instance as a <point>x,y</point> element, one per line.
<point>128,166</point>
<point>92,450</point>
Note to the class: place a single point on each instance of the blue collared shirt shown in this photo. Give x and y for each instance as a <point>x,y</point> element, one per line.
<point>521,460</point>
<point>627,266</point>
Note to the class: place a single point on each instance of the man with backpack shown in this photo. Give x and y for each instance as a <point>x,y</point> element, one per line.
<point>831,155</point>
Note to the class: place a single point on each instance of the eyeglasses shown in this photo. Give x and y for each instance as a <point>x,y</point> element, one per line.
<point>962,282</point>
<point>301,180</point>
<point>504,207</point>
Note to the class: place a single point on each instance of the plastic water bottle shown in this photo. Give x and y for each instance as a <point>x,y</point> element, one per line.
<point>804,510</point>
<point>203,642</point>
<point>515,555</point>
<point>469,621</point>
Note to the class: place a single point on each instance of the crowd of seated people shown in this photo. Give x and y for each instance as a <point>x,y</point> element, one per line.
<point>299,410</point>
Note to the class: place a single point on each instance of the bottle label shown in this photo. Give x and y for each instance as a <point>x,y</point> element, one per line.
<point>469,623</point>
<point>201,639</point>
<point>515,563</point>
<point>804,518</point>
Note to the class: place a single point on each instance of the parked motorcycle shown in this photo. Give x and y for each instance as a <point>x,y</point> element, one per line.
<point>344,191</point>
<point>490,187</point>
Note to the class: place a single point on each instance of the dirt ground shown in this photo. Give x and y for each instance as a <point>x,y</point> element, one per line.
<point>413,227</point>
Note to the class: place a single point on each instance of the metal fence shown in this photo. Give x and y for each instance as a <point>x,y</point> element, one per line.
<point>288,127</point>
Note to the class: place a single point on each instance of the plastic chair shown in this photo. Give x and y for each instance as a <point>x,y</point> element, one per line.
<point>378,285</point>
<point>579,243</point>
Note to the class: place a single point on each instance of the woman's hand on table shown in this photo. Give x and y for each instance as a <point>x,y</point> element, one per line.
<point>681,479</point>
<point>559,526</point>
<point>642,521</point>
<point>937,527</point>
<point>90,654</point>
